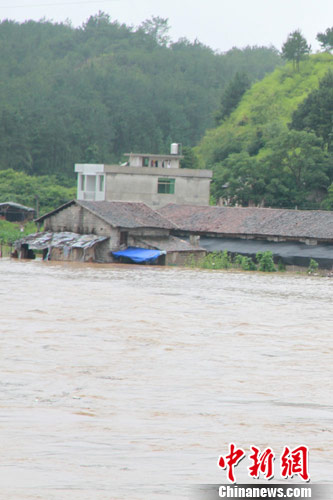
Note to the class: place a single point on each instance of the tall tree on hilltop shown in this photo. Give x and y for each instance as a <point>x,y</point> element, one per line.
<point>158,28</point>
<point>295,48</point>
<point>326,39</point>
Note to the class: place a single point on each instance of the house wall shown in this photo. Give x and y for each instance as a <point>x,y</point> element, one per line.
<point>76,219</point>
<point>131,186</point>
<point>137,183</point>
<point>75,254</point>
<point>181,258</point>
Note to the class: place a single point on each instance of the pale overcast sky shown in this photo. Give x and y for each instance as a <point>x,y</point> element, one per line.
<point>221,24</point>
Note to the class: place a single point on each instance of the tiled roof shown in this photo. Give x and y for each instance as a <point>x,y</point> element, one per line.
<point>12,204</point>
<point>119,214</point>
<point>252,221</point>
<point>127,214</point>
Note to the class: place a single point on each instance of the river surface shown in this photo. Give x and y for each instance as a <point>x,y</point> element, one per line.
<point>125,382</point>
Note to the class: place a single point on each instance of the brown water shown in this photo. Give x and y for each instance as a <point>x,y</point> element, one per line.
<point>128,382</point>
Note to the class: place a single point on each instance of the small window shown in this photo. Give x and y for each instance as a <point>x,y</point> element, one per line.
<point>166,186</point>
<point>101,183</point>
<point>83,183</point>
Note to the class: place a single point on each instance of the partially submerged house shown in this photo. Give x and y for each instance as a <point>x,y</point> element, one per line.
<point>97,230</point>
<point>15,212</point>
<point>293,236</point>
<point>149,178</point>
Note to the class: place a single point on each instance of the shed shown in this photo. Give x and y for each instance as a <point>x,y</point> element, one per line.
<point>14,212</point>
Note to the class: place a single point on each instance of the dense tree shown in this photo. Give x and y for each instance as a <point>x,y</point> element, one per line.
<point>189,159</point>
<point>258,160</point>
<point>326,39</point>
<point>294,172</point>
<point>297,170</point>
<point>295,48</point>
<point>157,28</point>
<point>33,190</point>
<point>232,95</point>
<point>70,95</point>
<point>315,113</point>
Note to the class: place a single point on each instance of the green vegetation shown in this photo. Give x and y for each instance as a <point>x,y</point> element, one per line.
<point>215,260</point>
<point>89,94</point>
<point>275,147</point>
<point>10,232</point>
<point>224,260</point>
<point>265,262</point>
<point>295,49</point>
<point>232,95</point>
<point>32,190</point>
<point>326,39</point>
<point>313,267</point>
<point>245,263</point>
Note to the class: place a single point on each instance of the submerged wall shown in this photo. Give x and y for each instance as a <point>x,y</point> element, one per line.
<point>290,253</point>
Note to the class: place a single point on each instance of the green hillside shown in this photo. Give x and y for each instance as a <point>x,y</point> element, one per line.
<point>89,94</point>
<point>257,158</point>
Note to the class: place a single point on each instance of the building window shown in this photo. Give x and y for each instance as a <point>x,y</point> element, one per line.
<point>166,186</point>
<point>83,179</point>
<point>145,162</point>
<point>101,183</point>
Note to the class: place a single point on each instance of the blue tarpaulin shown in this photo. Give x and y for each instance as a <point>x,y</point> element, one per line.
<point>139,255</point>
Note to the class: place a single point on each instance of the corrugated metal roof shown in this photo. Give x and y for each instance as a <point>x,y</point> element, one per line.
<point>40,241</point>
<point>120,214</point>
<point>12,204</point>
<point>252,221</point>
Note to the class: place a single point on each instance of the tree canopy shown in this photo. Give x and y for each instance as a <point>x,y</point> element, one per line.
<point>295,48</point>
<point>33,191</point>
<point>232,95</point>
<point>275,148</point>
<point>315,113</point>
<point>89,94</point>
<point>326,39</point>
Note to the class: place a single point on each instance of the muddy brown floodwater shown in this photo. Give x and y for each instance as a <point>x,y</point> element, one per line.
<point>125,382</point>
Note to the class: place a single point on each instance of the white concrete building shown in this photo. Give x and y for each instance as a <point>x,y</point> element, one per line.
<point>149,178</point>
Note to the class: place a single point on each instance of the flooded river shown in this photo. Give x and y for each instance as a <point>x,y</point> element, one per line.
<point>125,382</point>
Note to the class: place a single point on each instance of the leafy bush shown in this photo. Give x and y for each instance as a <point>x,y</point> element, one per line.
<point>245,263</point>
<point>265,262</point>
<point>10,232</point>
<point>215,260</point>
<point>313,266</point>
